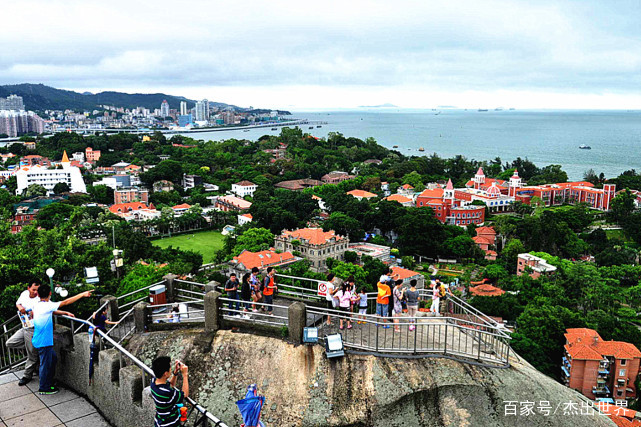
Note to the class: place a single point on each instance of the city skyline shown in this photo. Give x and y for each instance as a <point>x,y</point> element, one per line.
<point>283,55</point>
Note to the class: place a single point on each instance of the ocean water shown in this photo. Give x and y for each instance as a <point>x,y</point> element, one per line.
<point>544,137</point>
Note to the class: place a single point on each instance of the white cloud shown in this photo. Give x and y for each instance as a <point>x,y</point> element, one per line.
<point>360,52</point>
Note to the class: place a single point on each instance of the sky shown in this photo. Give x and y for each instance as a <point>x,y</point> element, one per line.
<point>334,54</point>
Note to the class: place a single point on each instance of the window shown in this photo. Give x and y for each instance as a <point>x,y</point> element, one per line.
<point>620,393</point>
<point>622,372</point>
<point>623,361</point>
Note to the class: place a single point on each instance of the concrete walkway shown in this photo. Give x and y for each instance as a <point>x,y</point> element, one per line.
<point>23,406</point>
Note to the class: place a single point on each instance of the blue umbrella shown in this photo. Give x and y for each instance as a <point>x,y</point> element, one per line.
<point>251,406</point>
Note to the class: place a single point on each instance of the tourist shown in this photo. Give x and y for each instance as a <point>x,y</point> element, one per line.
<point>382,300</point>
<point>174,314</point>
<point>390,307</point>
<point>362,304</point>
<point>444,294</point>
<point>351,287</point>
<point>163,391</point>
<point>435,299</point>
<point>397,295</point>
<point>231,289</point>
<point>43,312</point>
<point>388,275</point>
<point>411,297</point>
<point>255,288</point>
<point>329,296</point>
<point>100,321</point>
<point>269,286</point>
<point>22,338</point>
<point>344,302</point>
<point>246,292</point>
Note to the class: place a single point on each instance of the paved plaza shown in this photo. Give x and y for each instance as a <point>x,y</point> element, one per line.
<point>24,407</point>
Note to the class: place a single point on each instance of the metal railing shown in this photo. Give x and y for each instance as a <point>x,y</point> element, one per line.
<point>203,418</point>
<point>243,311</point>
<point>299,287</point>
<point>415,336</point>
<point>130,299</point>
<point>125,327</point>
<point>10,358</point>
<point>195,312</point>
<point>188,291</point>
<point>79,328</point>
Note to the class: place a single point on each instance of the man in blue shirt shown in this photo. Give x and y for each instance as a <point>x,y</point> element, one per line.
<point>43,312</point>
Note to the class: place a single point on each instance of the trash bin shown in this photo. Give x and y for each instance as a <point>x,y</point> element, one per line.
<point>157,295</point>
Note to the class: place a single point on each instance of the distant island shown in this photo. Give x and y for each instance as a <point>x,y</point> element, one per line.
<point>386,105</point>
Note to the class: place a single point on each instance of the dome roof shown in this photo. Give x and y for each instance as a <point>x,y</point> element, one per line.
<point>494,191</point>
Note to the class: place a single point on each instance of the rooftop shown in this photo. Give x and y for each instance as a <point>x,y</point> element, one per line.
<point>315,236</point>
<point>486,290</point>
<point>398,198</point>
<point>245,183</point>
<point>361,193</point>
<point>263,258</point>
<point>587,344</point>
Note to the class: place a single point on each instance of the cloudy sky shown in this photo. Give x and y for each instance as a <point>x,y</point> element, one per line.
<point>303,54</point>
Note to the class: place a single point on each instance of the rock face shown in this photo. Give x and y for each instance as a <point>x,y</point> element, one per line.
<point>303,388</point>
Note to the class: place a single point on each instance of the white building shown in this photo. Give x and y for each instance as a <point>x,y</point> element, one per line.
<point>244,188</point>
<point>183,108</point>
<point>78,156</point>
<point>244,219</point>
<point>48,178</point>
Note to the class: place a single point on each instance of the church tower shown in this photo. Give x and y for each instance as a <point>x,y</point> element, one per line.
<point>479,179</point>
<point>515,183</point>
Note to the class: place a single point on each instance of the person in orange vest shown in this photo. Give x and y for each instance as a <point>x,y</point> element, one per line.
<point>269,286</point>
<point>382,301</point>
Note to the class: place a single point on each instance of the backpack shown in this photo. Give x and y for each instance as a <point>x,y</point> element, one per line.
<point>441,291</point>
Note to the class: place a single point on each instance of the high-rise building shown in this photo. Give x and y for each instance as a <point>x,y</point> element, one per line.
<point>202,111</point>
<point>14,123</point>
<point>183,108</point>
<point>164,108</point>
<point>12,102</point>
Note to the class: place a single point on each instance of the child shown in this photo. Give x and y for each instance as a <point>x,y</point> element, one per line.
<point>344,301</point>
<point>362,304</point>
<point>100,320</point>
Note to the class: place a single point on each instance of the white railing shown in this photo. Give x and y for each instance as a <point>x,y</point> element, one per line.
<point>10,358</point>
<point>162,313</point>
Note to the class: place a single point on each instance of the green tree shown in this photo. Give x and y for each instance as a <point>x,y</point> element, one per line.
<point>253,240</point>
<point>61,187</point>
<point>34,190</point>
<point>415,180</point>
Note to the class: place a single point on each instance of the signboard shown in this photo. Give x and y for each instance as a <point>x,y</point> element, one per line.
<point>322,289</point>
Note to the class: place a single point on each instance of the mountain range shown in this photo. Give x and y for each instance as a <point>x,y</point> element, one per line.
<point>38,97</point>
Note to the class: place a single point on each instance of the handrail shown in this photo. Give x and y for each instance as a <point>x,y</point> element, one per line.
<point>138,290</point>
<point>146,368</point>
<point>92,314</point>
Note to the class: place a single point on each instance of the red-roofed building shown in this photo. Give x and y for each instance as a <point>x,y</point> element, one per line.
<point>407,275</point>
<point>405,201</point>
<point>180,209</point>
<point>261,260</point>
<point>486,290</point>
<point>313,244</point>
<point>486,240</point>
<point>231,203</point>
<point>335,177</point>
<point>361,194</point>
<point>245,218</point>
<point>598,368</point>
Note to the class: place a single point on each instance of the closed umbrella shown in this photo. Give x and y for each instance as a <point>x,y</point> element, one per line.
<point>251,406</point>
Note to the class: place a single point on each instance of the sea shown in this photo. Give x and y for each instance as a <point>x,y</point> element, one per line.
<point>544,137</point>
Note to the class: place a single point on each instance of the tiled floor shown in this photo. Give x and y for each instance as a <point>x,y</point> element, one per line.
<point>22,406</point>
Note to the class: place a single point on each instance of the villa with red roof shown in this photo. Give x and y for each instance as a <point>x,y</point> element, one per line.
<point>361,194</point>
<point>405,201</point>
<point>135,211</point>
<point>486,240</point>
<point>313,244</point>
<point>244,188</point>
<point>231,203</point>
<point>598,368</point>
<point>261,260</point>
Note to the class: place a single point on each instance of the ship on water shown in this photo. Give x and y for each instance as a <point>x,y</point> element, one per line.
<point>482,110</point>
<point>421,149</point>
<point>584,147</point>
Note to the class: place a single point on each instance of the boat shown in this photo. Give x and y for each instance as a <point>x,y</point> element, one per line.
<point>245,130</point>
<point>421,149</point>
<point>311,127</point>
<point>274,129</point>
<point>394,146</point>
<point>481,110</point>
<point>319,126</point>
<point>585,147</point>
<point>498,109</point>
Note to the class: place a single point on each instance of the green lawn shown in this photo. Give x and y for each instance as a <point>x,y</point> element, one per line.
<point>205,242</point>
